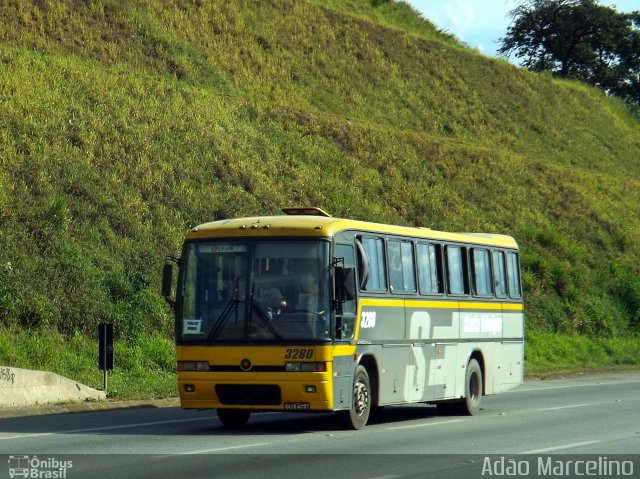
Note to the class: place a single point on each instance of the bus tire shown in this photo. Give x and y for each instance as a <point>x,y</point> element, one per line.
<point>358,415</point>
<point>470,404</point>
<point>234,418</point>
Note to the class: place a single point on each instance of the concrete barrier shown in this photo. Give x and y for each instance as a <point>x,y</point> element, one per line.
<point>25,387</point>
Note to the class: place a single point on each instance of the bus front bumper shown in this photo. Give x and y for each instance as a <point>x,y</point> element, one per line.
<point>306,392</point>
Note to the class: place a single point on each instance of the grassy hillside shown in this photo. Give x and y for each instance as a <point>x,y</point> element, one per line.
<point>122,124</point>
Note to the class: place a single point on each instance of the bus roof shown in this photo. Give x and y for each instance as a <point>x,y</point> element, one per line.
<point>325,227</point>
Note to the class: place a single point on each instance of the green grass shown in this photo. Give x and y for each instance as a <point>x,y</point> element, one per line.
<point>123,124</point>
<point>548,353</point>
<point>144,364</point>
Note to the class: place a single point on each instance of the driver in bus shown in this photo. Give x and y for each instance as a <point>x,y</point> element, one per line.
<point>272,299</point>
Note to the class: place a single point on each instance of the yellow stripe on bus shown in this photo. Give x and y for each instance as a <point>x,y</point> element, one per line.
<point>513,306</point>
<point>416,303</point>
<point>344,350</point>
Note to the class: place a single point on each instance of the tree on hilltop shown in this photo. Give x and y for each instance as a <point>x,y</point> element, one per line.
<point>578,39</point>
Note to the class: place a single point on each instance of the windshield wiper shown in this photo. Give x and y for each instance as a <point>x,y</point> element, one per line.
<point>224,316</point>
<point>262,315</point>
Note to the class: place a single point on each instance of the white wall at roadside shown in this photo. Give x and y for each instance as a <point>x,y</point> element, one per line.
<point>25,387</point>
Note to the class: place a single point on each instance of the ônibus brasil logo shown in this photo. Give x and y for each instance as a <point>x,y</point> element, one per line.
<point>34,467</point>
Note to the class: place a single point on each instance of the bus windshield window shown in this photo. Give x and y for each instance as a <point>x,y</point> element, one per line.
<point>254,291</point>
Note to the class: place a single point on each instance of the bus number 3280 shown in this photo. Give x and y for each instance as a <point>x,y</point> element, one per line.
<point>299,353</point>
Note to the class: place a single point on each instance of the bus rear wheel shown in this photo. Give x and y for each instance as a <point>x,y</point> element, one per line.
<point>234,418</point>
<point>470,404</point>
<point>358,416</point>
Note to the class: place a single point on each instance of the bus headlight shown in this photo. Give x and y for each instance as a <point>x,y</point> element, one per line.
<point>306,367</point>
<point>193,366</point>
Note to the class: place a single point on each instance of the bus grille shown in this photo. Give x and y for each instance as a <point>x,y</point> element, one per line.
<point>249,394</point>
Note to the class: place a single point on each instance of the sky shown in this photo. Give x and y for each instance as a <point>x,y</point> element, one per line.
<point>481,23</point>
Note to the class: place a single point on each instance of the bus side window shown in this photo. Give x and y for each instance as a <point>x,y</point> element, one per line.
<point>373,256</point>
<point>401,266</point>
<point>408,266</point>
<point>429,269</point>
<point>456,270</point>
<point>499,274</point>
<point>513,274</point>
<point>481,268</point>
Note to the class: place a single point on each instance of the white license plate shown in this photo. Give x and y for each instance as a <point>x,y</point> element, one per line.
<point>296,406</point>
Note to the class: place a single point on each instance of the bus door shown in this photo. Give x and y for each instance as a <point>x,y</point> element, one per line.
<point>432,327</point>
<point>419,375</point>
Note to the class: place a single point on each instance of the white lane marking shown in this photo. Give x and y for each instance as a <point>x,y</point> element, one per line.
<point>546,388</point>
<point>106,428</point>
<point>426,424</point>
<point>218,449</point>
<point>559,448</point>
<point>563,407</point>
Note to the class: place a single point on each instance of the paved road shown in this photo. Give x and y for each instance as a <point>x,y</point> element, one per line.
<point>596,415</point>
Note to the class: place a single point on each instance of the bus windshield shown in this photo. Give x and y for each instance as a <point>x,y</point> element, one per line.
<point>235,290</point>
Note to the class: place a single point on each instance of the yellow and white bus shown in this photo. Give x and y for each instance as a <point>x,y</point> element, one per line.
<point>306,312</point>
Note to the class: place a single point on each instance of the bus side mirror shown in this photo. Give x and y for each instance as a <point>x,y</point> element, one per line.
<point>167,283</point>
<point>349,284</point>
<point>345,284</point>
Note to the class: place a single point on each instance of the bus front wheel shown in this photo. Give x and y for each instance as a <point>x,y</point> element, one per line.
<point>470,404</point>
<point>358,415</point>
<point>234,417</point>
